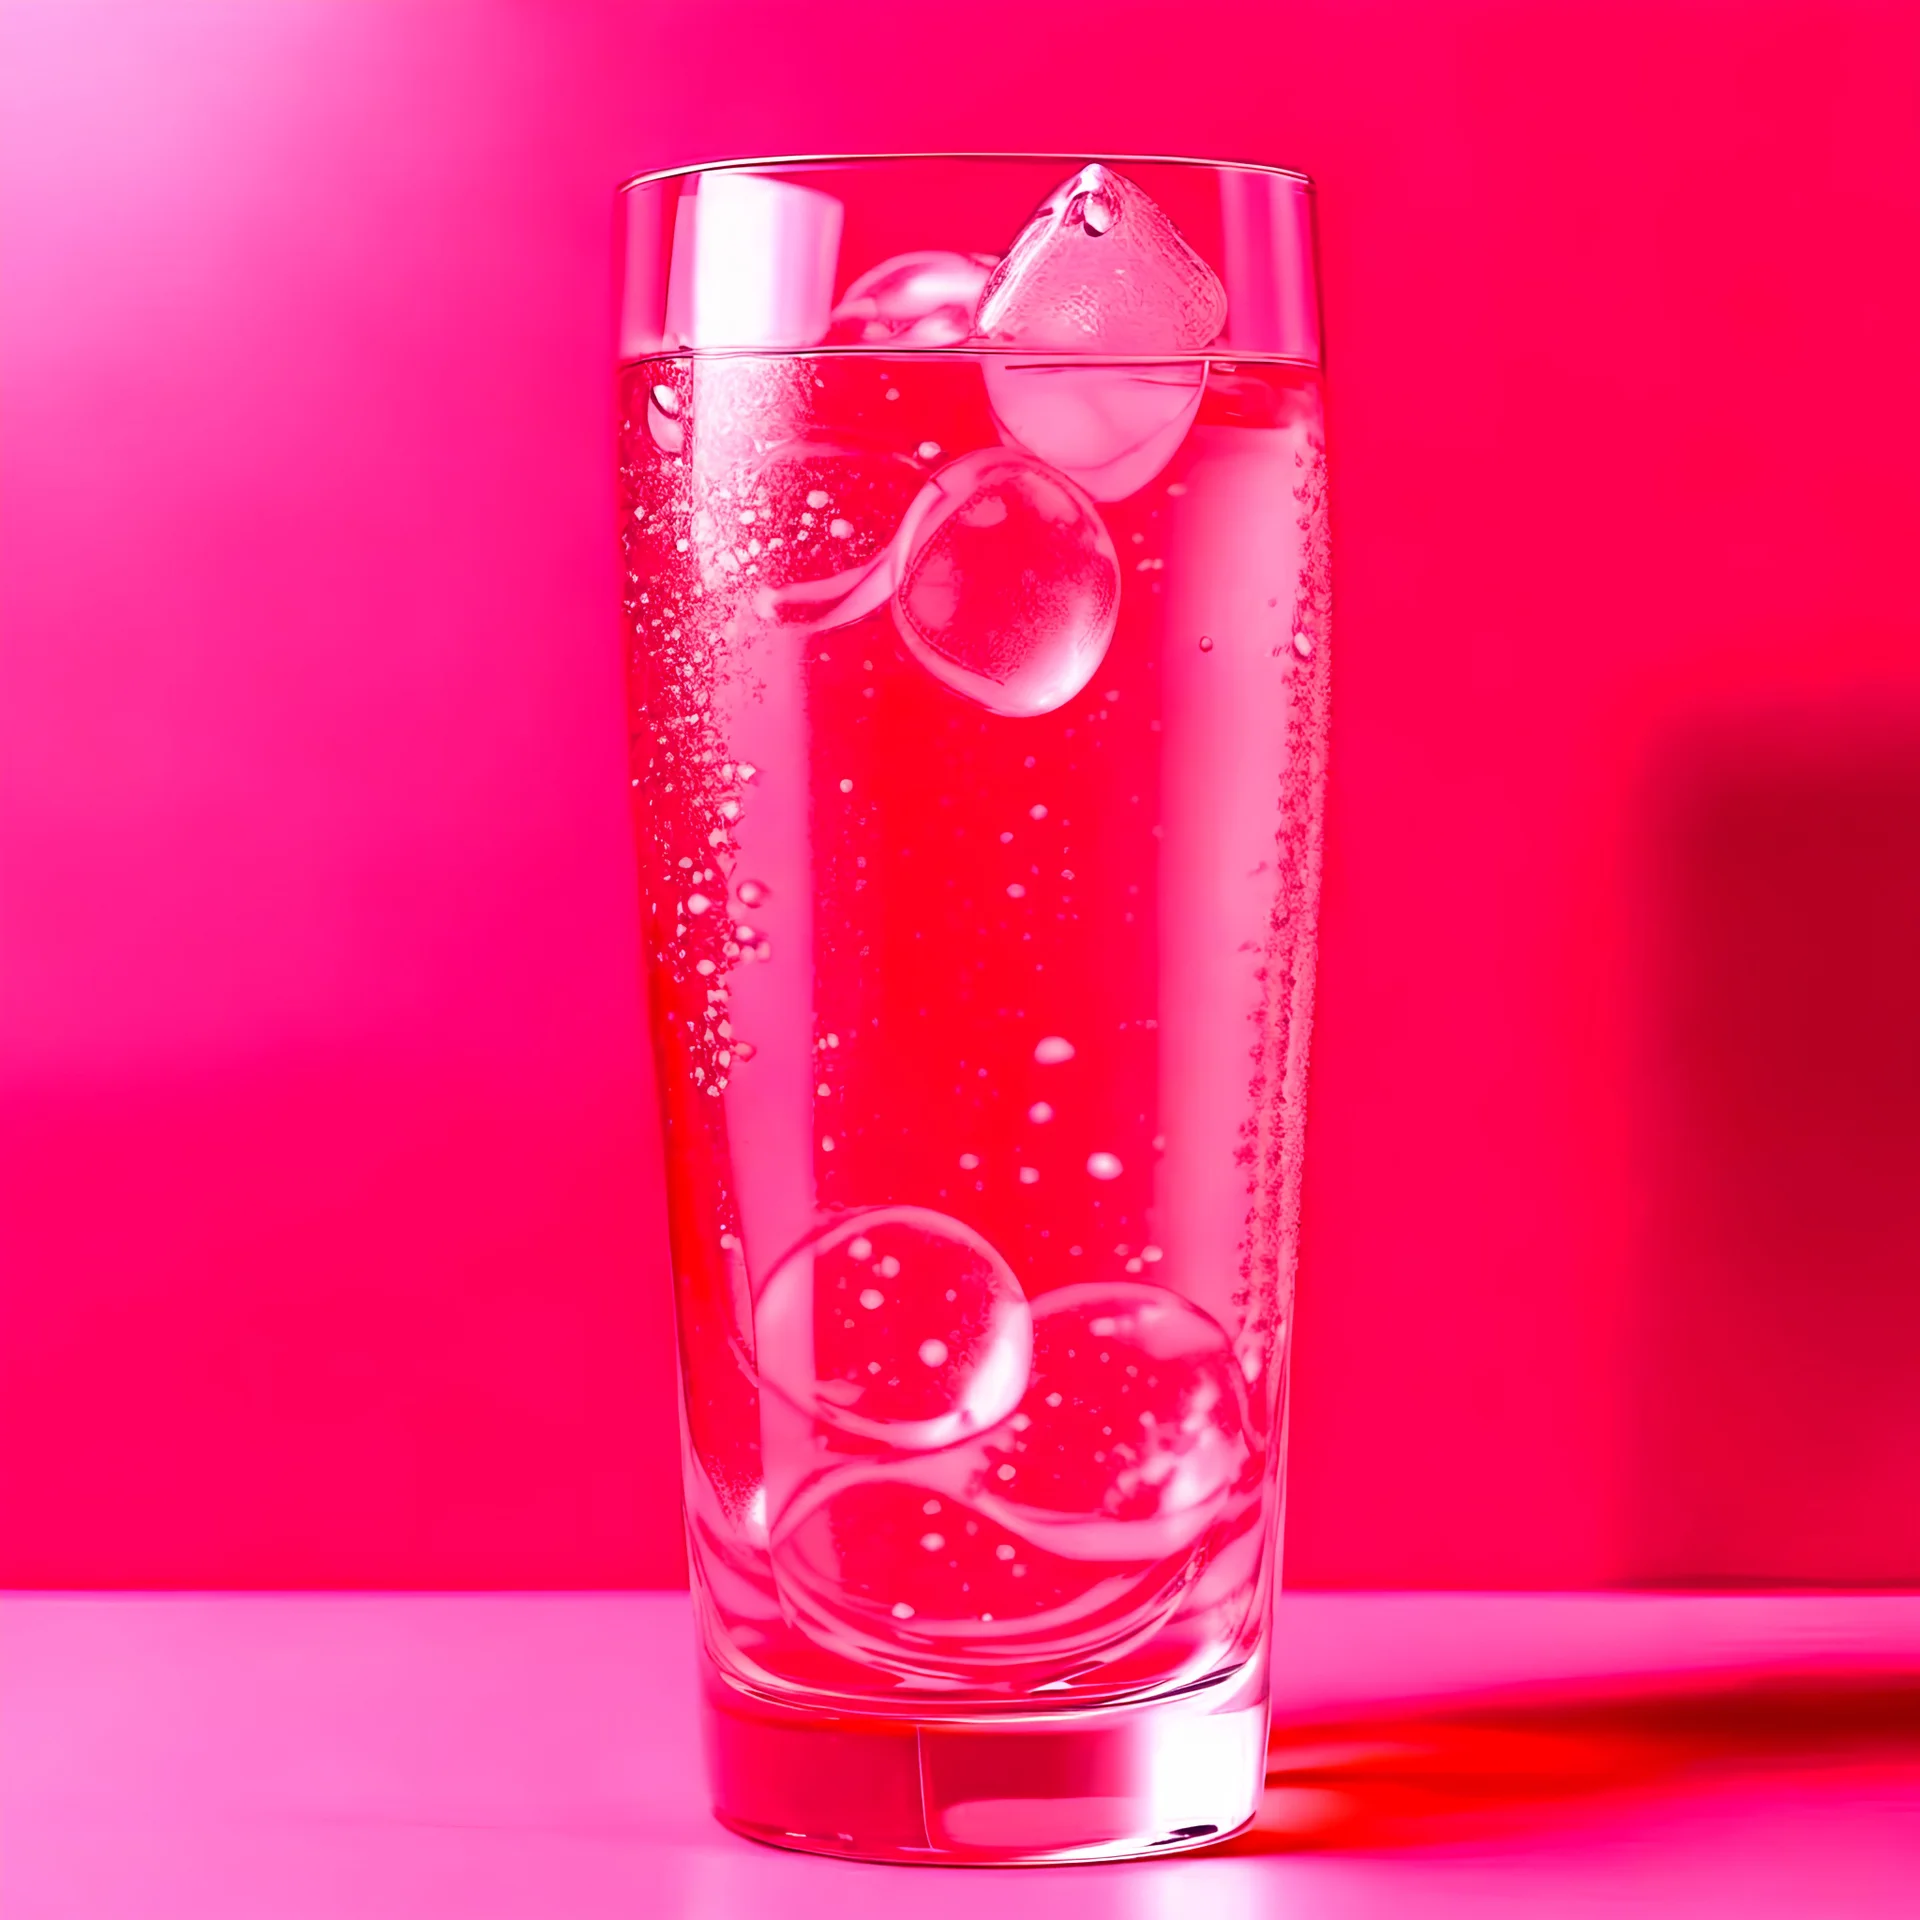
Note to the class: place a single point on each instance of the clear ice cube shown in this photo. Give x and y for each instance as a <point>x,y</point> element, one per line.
<point>913,300</point>
<point>896,1324</point>
<point>1110,428</point>
<point>894,1565</point>
<point>1131,1439</point>
<point>1007,584</point>
<point>1100,268</point>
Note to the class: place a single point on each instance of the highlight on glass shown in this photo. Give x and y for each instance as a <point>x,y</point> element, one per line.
<point>975,521</point>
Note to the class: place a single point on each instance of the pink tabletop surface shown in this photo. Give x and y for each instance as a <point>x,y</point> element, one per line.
<point>537,1756</point>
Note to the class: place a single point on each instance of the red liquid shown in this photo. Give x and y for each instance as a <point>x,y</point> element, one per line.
<point>980,849</point>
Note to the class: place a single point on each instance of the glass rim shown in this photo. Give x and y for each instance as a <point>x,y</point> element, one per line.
<point>770,162</point>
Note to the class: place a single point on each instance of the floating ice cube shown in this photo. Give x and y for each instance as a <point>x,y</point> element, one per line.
<point>1099,267</point>
<point>1131,1437</point>
<point>1111,428</point>
<point>894,1564</point>
<point>895,1324</point>
<point>1003,580</point>
<point>1008,586</point>
<point>914,299</point>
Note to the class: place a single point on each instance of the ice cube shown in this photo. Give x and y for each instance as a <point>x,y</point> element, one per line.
<point>896,1324</point>
<point>1110,428</point>
<point>913,300</point>
<point>894,1565</point>
<point>1099,267</point>
<point>1008,586</point>
<point>1131,1439</point>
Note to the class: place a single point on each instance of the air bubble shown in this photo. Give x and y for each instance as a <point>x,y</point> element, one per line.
<point>1104,1166</point>
<point>1053,1051</point>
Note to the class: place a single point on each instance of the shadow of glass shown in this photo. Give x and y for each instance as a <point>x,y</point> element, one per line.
<point>1776,1355</point>
<point>1507,1764</point>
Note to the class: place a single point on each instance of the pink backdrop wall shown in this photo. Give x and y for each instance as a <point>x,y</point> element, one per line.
<point>332,1239</point>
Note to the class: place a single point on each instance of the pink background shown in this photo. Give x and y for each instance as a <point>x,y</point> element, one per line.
<point>332,1241</point>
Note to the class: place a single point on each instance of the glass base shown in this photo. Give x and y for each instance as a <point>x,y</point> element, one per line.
<point>1159,1776</point>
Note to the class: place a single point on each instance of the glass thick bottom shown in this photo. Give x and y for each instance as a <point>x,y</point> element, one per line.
<point>1157,1776</point>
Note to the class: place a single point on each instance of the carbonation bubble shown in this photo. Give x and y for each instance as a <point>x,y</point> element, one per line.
<point>1008,584</point>
<point>664,425</point>
<point>1131,1438</point>
<point>898,1324</point>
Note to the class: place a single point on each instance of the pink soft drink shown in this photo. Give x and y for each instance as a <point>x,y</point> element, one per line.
<point>980,674</point>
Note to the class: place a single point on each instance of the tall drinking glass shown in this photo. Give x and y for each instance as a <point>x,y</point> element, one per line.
<point>975,525</point>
